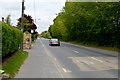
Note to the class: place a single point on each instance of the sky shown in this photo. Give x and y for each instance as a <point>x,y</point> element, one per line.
<point>43,11</point>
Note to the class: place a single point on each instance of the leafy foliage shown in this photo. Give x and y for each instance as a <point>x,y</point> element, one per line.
<point>11,39</point>
<point>94,23</point>
<point>8,20</point>
<point>28,23</point>
<point>35,35</point>
<point>46,34</point>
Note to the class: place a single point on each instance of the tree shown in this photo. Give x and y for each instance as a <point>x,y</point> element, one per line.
<point>8,20</point>
<point>94,23</point>
<point>28,23</point>
<point>46,34</point>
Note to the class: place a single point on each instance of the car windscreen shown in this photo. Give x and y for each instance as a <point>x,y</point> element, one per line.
<point>54,39</point>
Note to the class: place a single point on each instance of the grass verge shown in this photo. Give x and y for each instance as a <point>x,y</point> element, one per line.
<point>13,64</point>
<point>95,46</point>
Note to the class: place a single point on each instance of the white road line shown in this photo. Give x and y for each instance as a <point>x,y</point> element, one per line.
<point>91,63</point>
<point>75,51</point>
<point>77,61</point>
<point>55,62</point>
<point>55,59</point>
<point>86,62</point>
<point>96,59</point>
<point>64,70</point>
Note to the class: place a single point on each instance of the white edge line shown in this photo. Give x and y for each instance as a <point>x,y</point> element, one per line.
<point>64,70</point>
<point>75,51</point>
<point>56,65</point>
<point>96,59</point>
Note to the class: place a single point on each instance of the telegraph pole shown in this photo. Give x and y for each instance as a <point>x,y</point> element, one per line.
<point>22,15</point>
<point>22,24</point>
<point>34,12</point>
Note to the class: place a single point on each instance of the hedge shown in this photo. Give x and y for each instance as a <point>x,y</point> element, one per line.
<point>0,40</point>
<point>11,39</point>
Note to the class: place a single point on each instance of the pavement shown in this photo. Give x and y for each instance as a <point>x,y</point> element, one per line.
<point>68,61</point>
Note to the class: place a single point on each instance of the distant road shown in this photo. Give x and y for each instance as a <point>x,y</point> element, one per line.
<point>68,61</point>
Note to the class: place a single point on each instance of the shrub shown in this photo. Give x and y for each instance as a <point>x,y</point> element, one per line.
<point>11,39</point>
<point>33,37</point>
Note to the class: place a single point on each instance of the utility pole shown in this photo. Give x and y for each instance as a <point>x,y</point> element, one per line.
<point>22,24</point>
<point>34,12</point>
<point>22,15</point>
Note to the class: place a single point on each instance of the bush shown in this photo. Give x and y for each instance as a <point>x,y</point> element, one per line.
<point>0,40</point>
<point>11,39</point>
<point>33,37</point>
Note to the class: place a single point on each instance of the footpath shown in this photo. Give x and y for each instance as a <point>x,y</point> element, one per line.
<point>38,64</point>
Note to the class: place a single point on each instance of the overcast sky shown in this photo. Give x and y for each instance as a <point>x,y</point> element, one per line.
<point>44,11</point>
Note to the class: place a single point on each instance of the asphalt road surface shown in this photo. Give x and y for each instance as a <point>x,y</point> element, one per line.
<point>68,61</point>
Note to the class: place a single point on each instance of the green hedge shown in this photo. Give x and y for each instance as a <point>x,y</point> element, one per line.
<point>11,39</point>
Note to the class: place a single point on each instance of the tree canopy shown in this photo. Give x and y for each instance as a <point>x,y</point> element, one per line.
<point>8,20</point>
<point>28,23</point>
<point>89,23</point>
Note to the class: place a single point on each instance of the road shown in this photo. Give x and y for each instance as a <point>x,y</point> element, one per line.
<point>68,61</point>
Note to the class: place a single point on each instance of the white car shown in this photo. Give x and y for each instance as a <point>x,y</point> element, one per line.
<point>54,42</point>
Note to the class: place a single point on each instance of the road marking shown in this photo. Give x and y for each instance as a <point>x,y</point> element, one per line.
<point>86,62</point>
<point>96,59</point>
<point>75,51</point>
<point>65,70</point>
<point>91,63</point>
<point>77,61</point>
<point>55,59</point>
<point>55,62</point>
